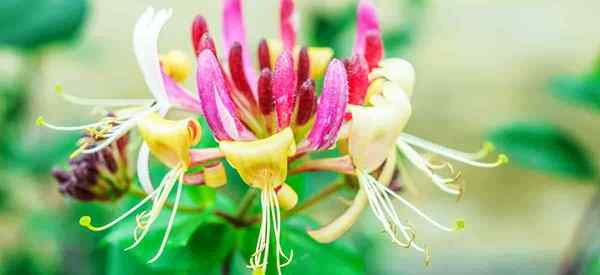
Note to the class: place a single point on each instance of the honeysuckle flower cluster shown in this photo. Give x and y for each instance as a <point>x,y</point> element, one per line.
<point>264,116</point>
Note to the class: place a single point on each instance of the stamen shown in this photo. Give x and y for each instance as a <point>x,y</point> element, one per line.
<point>468,158</point>
<point>171,219</point>
<point>421,164</point>
<point>41,122</point>
<point>86,221</point>
<point>99,102</point>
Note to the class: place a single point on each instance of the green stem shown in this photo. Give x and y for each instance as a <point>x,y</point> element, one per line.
<point>310,202</point>
<point>246,203</point>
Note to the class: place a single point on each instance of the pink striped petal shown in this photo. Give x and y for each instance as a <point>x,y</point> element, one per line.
<point>366,22</point>
<point>216,102</point>
<point>284,87</point>
<point>331,109</point>
<point>234,31</point>
<point>180,97</point>
<point>287,26</point>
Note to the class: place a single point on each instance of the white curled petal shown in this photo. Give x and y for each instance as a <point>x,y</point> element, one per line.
<point>143,171</point>
<point>145,45</point>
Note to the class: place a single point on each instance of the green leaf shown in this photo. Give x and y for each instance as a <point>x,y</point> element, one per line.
<point>544,147</point>
<point>197,242</point>
<point>310,257</point>
<point>31,24</point>
<point>584,90</point>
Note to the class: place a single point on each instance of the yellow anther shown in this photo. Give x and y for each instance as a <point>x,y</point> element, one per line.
<point>502,159</point>
<point>176,65</point>
<point>215,176</point>
<point>261,163</point>
<point>39,121</point>
<point>170,140</point>
<point>86,221</point>
<point>58,89</point>
<point>459,224</point>
<point>258,271</point>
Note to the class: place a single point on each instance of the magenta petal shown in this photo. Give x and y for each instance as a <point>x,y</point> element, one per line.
<point>284,87</point>
<point>216,102</point>
<point>234,31</point>
<point>181,97</point>
<point>358,79</point>
<point>287,27</point>
<point>331,109</point>
<point>366,22</point>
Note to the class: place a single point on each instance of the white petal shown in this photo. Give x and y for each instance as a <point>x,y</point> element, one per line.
<point>145,45</point>
<point>142,169</point>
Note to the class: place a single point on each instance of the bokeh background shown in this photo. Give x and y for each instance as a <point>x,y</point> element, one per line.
<point>485,70</point>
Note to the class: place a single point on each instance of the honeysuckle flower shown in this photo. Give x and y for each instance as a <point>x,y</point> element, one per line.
<point>262,119</point>
<point>380,92</point>
<point>100,176</point>
<point>161,74</point>
<point>170,142</point>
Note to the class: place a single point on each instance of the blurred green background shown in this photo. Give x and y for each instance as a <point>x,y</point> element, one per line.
<point>485,70</point>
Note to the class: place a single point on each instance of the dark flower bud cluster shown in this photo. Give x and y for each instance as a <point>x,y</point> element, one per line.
<point>101,176</point>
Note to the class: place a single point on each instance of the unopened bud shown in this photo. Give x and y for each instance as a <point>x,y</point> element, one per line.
<point>199,28</point>
<point>286,196</point>
<point>99,176</point>
<point>373,48</point>
<point>307,102</point>
<point>238,75</point>
<point>215,176</point>
<point>265,92</point>
<point>264,57</point>
<point>358,79</point>
<point>303,66</point>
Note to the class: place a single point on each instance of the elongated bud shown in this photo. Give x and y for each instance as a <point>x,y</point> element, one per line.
<point>307,102</point>
<point>199,28</point>
<point>373,49</point>
<point>206,42</point>
<point>358,79</point>
<point>303,66</point>
<point>215,176</point>
<point>236,69</point>
<point>286,196</point>
<point>264,57</point>
<point>265,92</point>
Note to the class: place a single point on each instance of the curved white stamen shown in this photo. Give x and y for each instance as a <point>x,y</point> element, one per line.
<point>119,131</point>
<point>120,218</point>
<point>40,121</point>
<point>408,204</point>
<point>421,164</point>
<point>171,219</point>
<point>125,102</point>
<point>467,158</point>
<point>165,188</point>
